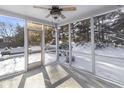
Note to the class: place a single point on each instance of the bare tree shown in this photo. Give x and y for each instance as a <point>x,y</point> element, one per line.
<point>7,31</point>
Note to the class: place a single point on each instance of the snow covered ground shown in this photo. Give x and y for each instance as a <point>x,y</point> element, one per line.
<point>17,63</point>
<point>14,63</point>
<point>109,51</point>
<point>110,68</point>
<point>36,57</point>
<point>50,58</point>
<point>109,61</point>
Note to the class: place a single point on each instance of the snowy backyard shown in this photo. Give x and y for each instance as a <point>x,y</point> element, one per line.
<point>14,63</point>
<point>109,61</point>
<point>108,40</point>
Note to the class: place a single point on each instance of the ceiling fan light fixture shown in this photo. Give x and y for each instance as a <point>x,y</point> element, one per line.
<point>56,11</point>
<point>55,16</point>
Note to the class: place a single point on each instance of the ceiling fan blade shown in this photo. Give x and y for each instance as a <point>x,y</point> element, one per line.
<point>69,9</point>
<point>62,16</point>
<point>39,7</point>
<point>48,16</point>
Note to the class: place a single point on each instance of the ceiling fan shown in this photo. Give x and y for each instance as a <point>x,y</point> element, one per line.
<point>56,11</point>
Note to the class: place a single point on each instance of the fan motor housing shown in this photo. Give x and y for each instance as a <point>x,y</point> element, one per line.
<point>55,11</point>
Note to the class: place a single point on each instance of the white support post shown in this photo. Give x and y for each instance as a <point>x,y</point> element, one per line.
<point>26,45</point>
<point>42,45</point>
<point>57,42</point>
<point>70,46</point>
<point>93,45</point>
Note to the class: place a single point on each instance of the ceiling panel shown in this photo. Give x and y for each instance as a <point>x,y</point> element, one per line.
<point>28,10</point>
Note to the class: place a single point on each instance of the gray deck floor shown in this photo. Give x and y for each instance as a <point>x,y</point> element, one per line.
<point>55,76</point>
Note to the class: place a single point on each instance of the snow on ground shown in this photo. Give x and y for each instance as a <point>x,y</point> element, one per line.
<point>16,50</point>
<point>16,64</point>
<point>35,48</point>
<point>110,65</point>
<point>11,65</point>
<point>13,50</point>
<point>107,67</point>
<point>109,51</point>
<point>50,58</point>
<point>82,62</point>
<point>21,49</point>
<point>109,61</point>
<point>35,57</point>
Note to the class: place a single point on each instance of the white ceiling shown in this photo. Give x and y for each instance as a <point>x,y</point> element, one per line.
<point>81,12</point>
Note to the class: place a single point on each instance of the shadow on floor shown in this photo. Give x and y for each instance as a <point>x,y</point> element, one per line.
<point>27,75</point>
<point>88,80</point>
<point>85,81</point>
<point>46,77</point>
